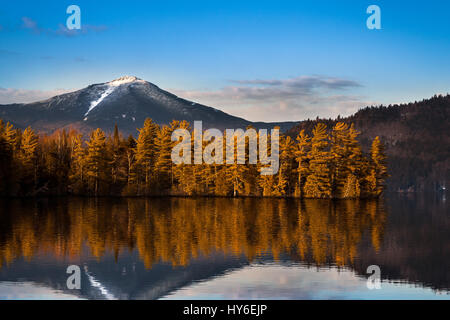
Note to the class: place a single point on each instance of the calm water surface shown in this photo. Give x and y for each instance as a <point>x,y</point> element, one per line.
<point>178,248</point>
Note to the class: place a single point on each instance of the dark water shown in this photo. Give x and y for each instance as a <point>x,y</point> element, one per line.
<point>221,248</point>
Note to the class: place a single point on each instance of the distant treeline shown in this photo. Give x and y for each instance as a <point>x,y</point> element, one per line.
<point>329,164</point>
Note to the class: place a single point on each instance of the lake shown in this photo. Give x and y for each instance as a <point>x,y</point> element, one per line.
<point>222,248</point>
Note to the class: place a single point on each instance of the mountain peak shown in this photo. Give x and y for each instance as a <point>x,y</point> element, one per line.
<point>110,87</point>
<point>123,80</point>
<point>126,101</point>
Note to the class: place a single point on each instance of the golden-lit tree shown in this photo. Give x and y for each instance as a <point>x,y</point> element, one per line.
<point>235,172</point>
<point>131,167</point>
<point>378,172</point>
<point>27,157</point>
<point>97,173</point>
<point>117,148</point>
<point>163,164</point>
<point>318,182</point>
<point>325,165</point>
<point>301,156</point>
<point>146,153</point>
<point>6,161</point>
<point>78,177</point>
<point>55,162</point>
<point>285,175</point>
<point>346,161</point>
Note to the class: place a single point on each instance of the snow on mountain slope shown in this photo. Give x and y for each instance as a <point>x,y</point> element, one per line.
<point>94,103</point>
<point>126,101</point>
<point>110,87</point>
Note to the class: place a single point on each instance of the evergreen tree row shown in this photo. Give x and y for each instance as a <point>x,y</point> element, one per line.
<point>327,164</point>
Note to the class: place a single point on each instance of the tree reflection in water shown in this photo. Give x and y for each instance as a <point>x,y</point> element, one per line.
<point>176,230</point>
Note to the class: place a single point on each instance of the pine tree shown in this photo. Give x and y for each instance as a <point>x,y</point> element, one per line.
<point>117,150</point>
<point>131,168</point>
<point>96,163</point>
<point>379,166</point>
<point>318,183</point>
<point>222,186</point>
<point>163,163</point>
<point>355,166</point>
<point>182,173</point>
<point>205,175</point>
<point>11,147</point>
<point>339,153</point>
<point>301,156</point>
<point>251,174</point>
<point>146,153</point>
<point>267,183</point>
<point>286,167</point>
<point>346,164</point>
<point>5,162</point>
<point>77,177</point>
<point>236,173</point>
<point>55,162</point>
<point>27,157</point>
<point>13,137</point>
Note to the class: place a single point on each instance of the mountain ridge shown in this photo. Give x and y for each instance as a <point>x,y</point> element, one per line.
<point>127,101</point>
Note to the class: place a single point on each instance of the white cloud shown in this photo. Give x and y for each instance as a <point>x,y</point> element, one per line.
<point>10,95</point>
<point>30,24</point>
<point>283,99</point>
<point>256,100</point>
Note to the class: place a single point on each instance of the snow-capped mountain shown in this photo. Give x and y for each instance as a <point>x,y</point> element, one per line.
<point>127,101</point>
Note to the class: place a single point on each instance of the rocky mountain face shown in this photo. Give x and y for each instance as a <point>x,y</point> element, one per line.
<point>127,101</point>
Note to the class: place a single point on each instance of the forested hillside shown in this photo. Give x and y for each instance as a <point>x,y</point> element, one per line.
<point>416,136</point>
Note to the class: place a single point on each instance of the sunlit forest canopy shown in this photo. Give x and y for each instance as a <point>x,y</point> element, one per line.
<point>328,164</point>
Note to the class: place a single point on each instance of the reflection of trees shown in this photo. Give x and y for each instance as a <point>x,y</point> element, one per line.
<point>176,230</point>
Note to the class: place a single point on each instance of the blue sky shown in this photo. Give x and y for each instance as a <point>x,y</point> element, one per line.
<point>263,60</point>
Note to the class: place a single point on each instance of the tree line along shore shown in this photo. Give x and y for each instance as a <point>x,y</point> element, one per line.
<point>329,164</point>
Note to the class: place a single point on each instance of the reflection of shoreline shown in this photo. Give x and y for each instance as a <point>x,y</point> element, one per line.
<point>179,229</point>
<point>317,233</point>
